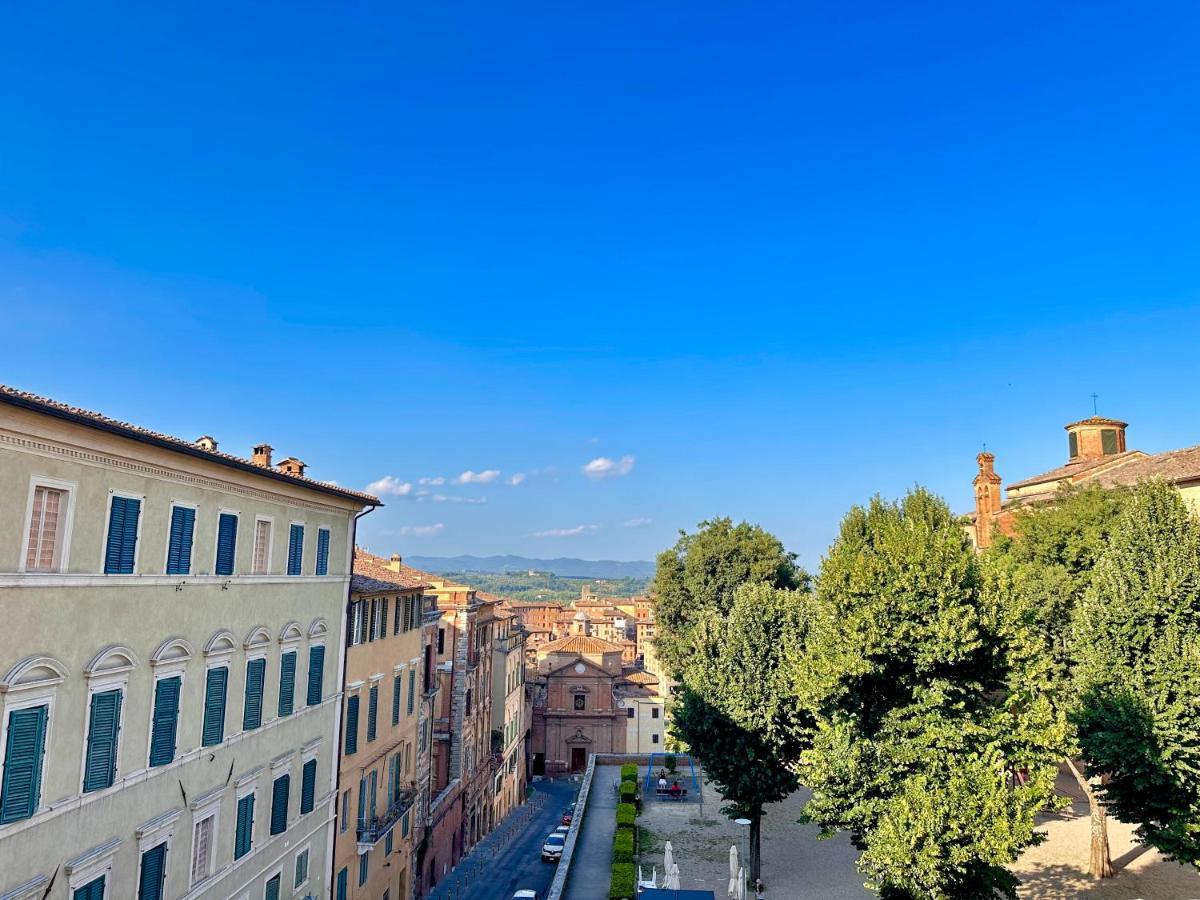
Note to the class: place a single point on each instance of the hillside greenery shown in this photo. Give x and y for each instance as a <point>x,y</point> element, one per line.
<point>545,586</point>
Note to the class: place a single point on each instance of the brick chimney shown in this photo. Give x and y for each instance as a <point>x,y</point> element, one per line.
<point>1095,438</point>
<point>987,498</point>
<point>262,455</point>
<point>291,466</point>
<point>395,562</point>
<point>206,442</point>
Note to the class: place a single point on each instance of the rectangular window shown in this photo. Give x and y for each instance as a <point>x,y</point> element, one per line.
<point>216,687</point>
<point>227,524</point>
<point>654,738</point>
<point>93,890</point>
<point>287,682</point>
<point>362,802</point>
<point>345,810</point>
<point>1108,441</point>
<point>387,843</point>
<point>654,712</point>
<point>24,748</point>
<point>243,838</point>
<point>154,872</point>
<point>580,701</point>
<point>256,671</point>
<point>316,674</point>
<point>262,546</point>
<point>412,688</point>
<point>1073,442</point>
<point>295,549</point>
<point>166,720</point>
<point>301,868</point>
<point>441,641</point>
<point>308,787</point>
<point>202,848</point>
<point>343,878</point>
<point>362,869</point>
<point>396,620</point>
<point>179,540</point>
<point>121,548</point>
<point>629,713</point>
<point>373,792</point>
<point>352,725</point>
<point>272,889</point>
<point>404,824</point>
<point>322,551</point>
<point>100,766</point>
<point>280,792</point>
<point>397,684</point>
<point>383,619</point>
<point>46,521</point>
<point>369,619</point>
<point>372,712</point>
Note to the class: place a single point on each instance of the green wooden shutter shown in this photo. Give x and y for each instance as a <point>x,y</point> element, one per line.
<point>1108,441</point>
<point>287,682</point>
<point>374,792</point>
<point>1073,442</point>
<point>412,689</point>
<point>166,720</point>
<point>154,871</point>
<point>316,674</point>
<point>352,725</point>
<point>100,766</point>
<point>226,543</point>
<point>372,712</point>
<point>387,843</point>
<point>362,869</point>
<point>280,792</point>
<point>179,544</point>
<point>256,671</point>
<point>25,746</point>
<point>122,536</point>
<point>362,802</point>
<point>93,890</point>
<point>343,878</point>
<point>216,687</point>
<point>396,688</point>
<point>272,891</point>
<point>243,839</point>
<point>322,551</point>
<point>308,787</point>
<point>295,550</point>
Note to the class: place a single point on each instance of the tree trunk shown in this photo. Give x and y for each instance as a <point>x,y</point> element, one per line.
<point>1100,862</point>
<point>755,847</point>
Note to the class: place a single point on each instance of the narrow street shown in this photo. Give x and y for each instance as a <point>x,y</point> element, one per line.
<point>510,858</point>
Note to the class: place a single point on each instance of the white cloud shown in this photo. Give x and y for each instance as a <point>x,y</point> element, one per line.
<point>637,522</point>
<point>433,481</point>
<point>514,480</point>
<point>389,484</point>
<point>603,467</point>
<point>420,530</point>
<point>443,498</point>
<point>565,532</point>
<point>487,476</point>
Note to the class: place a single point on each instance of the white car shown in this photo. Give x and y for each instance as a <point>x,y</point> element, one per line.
<point>525,895</point>
<point>553,848</point>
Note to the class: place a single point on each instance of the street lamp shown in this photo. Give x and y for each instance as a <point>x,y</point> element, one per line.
<point>745,823</point>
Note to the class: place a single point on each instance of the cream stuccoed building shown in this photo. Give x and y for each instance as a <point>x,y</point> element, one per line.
<point>170,663</point>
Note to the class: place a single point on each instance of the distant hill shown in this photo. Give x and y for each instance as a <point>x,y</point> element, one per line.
<point>564,567</point>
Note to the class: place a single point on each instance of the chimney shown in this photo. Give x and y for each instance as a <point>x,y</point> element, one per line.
<point>1095,438</point>
<point>290,466</point>
<point>262,455</point>
<point>395,562</point>
<point>987,498</point>
<point>206,442</point>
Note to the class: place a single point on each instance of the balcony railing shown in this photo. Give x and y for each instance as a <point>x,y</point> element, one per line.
<point>371,831</point>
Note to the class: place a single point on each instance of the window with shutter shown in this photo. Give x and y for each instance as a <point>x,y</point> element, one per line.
<point>262,547</point>
<point>301,867</point>
<point>122,535</point>
<point>166,720</point>
<point>227,524</point>
<point>100,764</point>
<point>202,848</point>
<point>287,682</point>
<point>280,792</point>
<point>154,871</point>
<point>25,745</point>
<point>256,670</point>
<point>1073,443</point>
<point>343,878</point>
<point>43,553</point>
<point>396,629</point>
<point>295,549</point>
<point>362,869</point>
<point>322,551</point>
<point>383,619</point>
<point>93,890</point>
<point>373,792</point>
<point>216,687</point>
<point>272,891</point>
<point>396,687</point>
<point>404,825</point>
<point>1108,441</point>
<point>243,838</point>
<point>387,843</point>
<point>362,802</point>
<point>179,540</point>
<point>316,674</point>
<point>412,689</point>
<point>372,712</point>
<point>352,725</point>
<point>308,787</point>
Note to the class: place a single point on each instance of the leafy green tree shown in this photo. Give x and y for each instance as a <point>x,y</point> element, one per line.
<point>1138,671</point>
<point>737,710</point>
<point>933,745</point>
<point>1047,566</point>
<point>702,572</point>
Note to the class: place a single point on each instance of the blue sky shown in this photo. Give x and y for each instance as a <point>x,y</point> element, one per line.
<point>782,256</point>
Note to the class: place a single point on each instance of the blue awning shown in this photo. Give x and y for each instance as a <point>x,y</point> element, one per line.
<point>667,894</point>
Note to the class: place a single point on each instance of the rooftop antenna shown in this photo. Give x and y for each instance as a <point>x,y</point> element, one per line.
<point>1095,411</point>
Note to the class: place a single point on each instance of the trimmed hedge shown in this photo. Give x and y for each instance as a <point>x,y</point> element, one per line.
<point>623,845</point>
<point>624,880</point>
<point>629,772</point>
<point>628,791</point>
<point>626,813</point>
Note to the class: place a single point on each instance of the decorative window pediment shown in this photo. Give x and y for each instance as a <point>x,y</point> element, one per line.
<point>34,672</point>
<point>172,650</point>
<point>258,637</point>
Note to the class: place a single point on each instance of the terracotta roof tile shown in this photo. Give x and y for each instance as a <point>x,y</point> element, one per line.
<point>374,567</point>
<point>1074,470</point>
<point>579,643</point>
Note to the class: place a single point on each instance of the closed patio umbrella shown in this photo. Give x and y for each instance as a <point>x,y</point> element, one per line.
<point>741,885</point>
<point>733,870</point>
<point>668,860</point>
<point>672,879</point>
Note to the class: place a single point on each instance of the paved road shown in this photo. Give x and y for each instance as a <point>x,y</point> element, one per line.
<point>510,857</point>
<point>591,866</point>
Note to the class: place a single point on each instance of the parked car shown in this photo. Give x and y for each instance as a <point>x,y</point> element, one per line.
<point>568,814</point>
<point>553,848</point>
<point>562,829</point>
<point>525,895</point>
